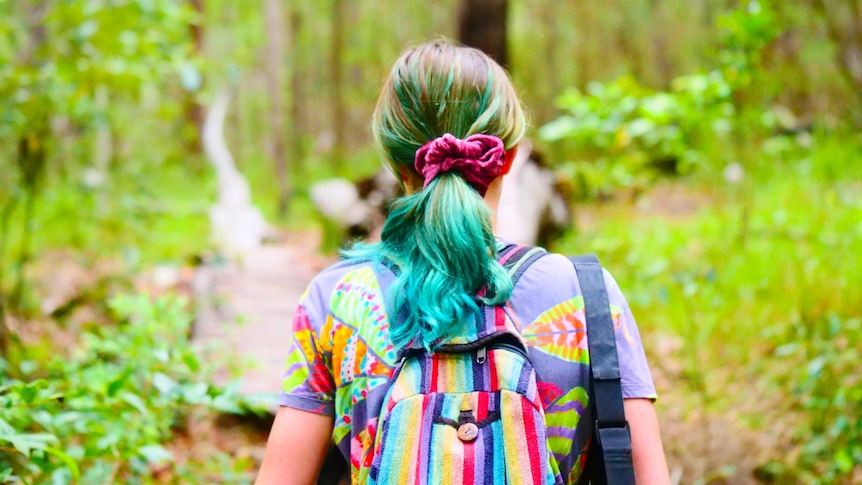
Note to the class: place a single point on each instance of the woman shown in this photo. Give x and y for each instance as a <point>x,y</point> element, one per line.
<point>448,122</point>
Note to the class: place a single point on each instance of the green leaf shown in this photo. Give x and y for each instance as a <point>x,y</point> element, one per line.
<point>61,476</point>
<point>226,403</point>
<point>192,361</point>
<point>558,129</point>
<point>190,77</point>
<point>196,393</point>
<point>163,383</point>
<point>787,349</point>
<point>155,454</point>
<point>118,383</point>
<point>640,127</point>
<point>816,366</point>
<point>27,442</point>
<point>162,355</point>
<point>27,367</point>
<point>67,460</point>
<point>29,392</point>
<point>87,29</point>
<point>843,460</point>
<point>135,401</point>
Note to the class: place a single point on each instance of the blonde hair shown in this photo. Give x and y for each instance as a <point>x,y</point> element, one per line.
<point>441,237</point>
<point>438,88</point>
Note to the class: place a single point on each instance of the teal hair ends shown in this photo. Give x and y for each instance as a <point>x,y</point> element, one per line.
<point>442,242</point>
<point>441,237</point>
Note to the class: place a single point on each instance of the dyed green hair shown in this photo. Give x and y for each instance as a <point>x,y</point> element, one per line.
<point>441,237</point>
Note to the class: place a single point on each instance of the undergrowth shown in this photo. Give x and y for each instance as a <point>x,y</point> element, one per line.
<point>107,412</point>
<point>761,279</point>
<point>141,217</point>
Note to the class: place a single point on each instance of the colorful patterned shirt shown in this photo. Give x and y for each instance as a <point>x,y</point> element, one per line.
<point>341,358</point>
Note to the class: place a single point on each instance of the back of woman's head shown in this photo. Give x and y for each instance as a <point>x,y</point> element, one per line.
<point>439,88</point>
<point>445,117</point>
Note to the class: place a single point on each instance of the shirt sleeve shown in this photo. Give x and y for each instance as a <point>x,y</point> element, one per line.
<point>307,384</point>
<point>634,371</point>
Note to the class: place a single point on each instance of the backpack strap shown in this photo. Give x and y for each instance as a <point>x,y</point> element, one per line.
<point>516,259</point>
<point>492,323</point>
<point>334,469</point>
<point>610,457</point>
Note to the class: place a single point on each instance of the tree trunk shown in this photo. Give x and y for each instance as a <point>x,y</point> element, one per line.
<point>31,164</point>
<point>298,117</point>
<point>706,15</point>
<point>32,159</point>
<point>659,40</point>
<point>194,112</point>
<point>339,110</point>
<point>274,59</point>
<point>482,24</point>
<point>9,207</point>
<point>627,39</point>
<point>848,40</point>
<point>103,151</point>
<point>582,48</point>
<point>785,53</point>
<point>548,13</point>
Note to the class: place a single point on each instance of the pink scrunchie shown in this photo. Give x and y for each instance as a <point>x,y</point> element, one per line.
<point>479,159</point>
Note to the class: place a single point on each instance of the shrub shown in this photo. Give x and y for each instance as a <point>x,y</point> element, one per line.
<point>105,413</point>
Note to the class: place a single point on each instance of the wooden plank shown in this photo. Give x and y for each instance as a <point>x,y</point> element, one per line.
<point>245,309</point>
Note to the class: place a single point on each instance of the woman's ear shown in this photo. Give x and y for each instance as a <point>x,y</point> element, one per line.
<point>509,159</point>
<point>411,182</point>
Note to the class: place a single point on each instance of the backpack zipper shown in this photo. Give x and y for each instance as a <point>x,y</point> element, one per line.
<point>482,353</point>
<point>512,348</point>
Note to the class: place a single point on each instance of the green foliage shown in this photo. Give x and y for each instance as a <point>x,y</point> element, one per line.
<point>617,134</point>
<point>146,216</point>
<point>75,79</point>
<point>619,129</point>
<point>760,279</point>
<point>106,413</point>
<point>82,45</point>
<point>827,388</point>
<point>745,33</point>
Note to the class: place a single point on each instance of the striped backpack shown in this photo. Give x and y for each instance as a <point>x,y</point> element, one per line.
<point>469,412</point>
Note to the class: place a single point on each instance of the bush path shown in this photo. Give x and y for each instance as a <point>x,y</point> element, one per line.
<point>245,308</point>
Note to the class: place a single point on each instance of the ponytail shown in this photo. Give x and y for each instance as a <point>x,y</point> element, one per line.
<point>446,116</point>
<point>443,243</point>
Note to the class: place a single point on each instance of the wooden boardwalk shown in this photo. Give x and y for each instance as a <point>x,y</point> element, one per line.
<point>245,310</point>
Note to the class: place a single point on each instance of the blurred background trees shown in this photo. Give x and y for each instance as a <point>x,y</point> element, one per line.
<point>483,24</point>
<point>81,85</point>
<point>712,147</point>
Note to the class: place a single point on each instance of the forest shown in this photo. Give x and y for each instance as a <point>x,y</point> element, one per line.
<point>709,151</point>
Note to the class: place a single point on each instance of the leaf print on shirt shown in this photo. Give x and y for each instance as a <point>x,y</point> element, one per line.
<point>356,335</point>
<point>560,331</point>
<point>305,368</point>
<point>562,418</point>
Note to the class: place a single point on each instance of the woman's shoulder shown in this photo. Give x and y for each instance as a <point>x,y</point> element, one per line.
<point>342,267</point>
<point>330,276</point>
<point>347,274</point>
<point>553,279</point>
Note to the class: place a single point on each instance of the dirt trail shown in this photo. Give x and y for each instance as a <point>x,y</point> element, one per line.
<point>245,308</point>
